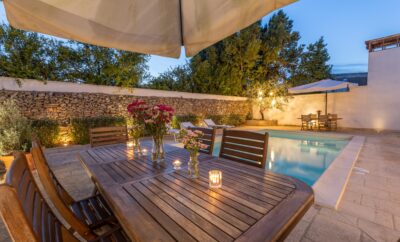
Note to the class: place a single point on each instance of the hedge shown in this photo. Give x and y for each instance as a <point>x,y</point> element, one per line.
<point>47,131</point>
<point>80,126</point>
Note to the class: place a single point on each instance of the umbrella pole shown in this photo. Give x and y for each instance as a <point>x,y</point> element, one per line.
<point>326,103</point>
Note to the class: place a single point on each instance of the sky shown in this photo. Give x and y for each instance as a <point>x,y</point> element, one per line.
<point>345,25</point>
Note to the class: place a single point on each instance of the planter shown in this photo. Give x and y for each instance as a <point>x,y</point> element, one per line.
<point>262,122</point>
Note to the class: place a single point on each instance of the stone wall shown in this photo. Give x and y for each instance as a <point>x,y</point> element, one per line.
<point>62,106</point>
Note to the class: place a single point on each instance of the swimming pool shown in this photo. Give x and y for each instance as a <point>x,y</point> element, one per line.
<point>301,156</point>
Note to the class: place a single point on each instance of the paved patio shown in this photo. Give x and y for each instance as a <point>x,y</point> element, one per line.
<point>369,211</point>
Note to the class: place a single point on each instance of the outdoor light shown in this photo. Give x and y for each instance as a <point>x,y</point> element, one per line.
<point>65,144</point>
<point>273,103</point>
<point>260,93</point>
<point>271,93</point>
<point>215,179</point>
<point>131,144</point>
<point>177,164</point>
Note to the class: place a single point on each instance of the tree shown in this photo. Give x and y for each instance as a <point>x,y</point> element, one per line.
<point>31,55</point>
<point>313,66</point>
<point>175,79</point>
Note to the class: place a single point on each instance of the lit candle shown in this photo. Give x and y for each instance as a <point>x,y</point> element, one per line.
<point>130,144</point>
<point>215,179</point>
<point>144,150</point>
<point>177,164</point>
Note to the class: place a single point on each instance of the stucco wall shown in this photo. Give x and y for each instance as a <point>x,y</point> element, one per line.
<point>62,101</point>
<point>376,106</point>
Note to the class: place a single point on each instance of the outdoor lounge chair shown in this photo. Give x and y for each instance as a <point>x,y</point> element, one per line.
<point>108,135</point>
<point>92,211</point>
<point>244,147</point>
<point>211,124</point>
<point>207,139</point>
<point>186,125</point>
<point>172,131</point>
<point>28,216</point>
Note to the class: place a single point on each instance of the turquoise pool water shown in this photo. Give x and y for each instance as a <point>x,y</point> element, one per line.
<point>301,156</point>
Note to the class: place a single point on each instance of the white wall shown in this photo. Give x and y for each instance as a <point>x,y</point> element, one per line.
<point>376,106</point>
<point>7,83</point>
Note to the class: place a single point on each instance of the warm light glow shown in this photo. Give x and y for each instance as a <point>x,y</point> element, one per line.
<point>260,98</point>
<point>273,103</point>
<point>272,156</point>
<point>177,164</point>
<point>130,144</point>
<point>65,144</point>
<point>215,179</point>
<point>271,93</point>
<point>260,93</point>
<point>144,150</point>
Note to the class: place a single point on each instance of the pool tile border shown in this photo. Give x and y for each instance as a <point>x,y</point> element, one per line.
<point>330,187</point>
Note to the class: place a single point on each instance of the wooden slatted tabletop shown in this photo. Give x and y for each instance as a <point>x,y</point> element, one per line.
<point>158,203</point>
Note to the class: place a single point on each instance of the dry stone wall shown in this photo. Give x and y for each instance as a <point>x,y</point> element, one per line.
<point>62,106</point>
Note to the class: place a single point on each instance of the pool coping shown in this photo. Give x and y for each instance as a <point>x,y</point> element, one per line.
<point>330,187</point>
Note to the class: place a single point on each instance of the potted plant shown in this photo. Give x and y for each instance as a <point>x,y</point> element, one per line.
<point>14,133</point>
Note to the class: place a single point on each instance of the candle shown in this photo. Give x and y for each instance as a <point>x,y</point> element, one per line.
<point>130,144</point>
<point>144,150</point>
<point>177,164</point>
<point>215,178</point>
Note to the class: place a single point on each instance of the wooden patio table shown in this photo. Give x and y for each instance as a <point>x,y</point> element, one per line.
<point>156,203</point>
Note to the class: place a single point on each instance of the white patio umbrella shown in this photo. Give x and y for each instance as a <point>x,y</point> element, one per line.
<point>158,27</point>
<point>323,86</point>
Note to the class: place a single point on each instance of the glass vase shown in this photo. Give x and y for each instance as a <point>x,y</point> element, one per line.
<point>193,165</point>
<point>157,151</point>
<point>137,149</point>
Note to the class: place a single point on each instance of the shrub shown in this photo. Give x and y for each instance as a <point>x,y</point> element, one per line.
<point>80,126</point>
<point>47,131</point>
<point>14,129</point>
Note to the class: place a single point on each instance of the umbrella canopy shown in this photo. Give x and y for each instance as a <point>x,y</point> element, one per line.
<point>158,27</point>
<point>321,86</point>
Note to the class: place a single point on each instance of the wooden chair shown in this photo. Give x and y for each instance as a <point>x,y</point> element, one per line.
<point>245,147</point>
<point>323,122</point>
<point>28,217</point>
<point>333,121</point>
<point>207,139</point>
<point>108,135</point>
<point>92,211</point>
<point>305,122</point>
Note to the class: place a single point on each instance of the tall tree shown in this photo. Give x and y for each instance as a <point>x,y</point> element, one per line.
<point>31,55</point>
<point>313,66</point>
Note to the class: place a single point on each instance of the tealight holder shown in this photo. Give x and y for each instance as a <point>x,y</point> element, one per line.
<point>215,178</point>
<point>177,164</point>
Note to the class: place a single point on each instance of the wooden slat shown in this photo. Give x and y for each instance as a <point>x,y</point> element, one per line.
<point>188,210</point>
<point>108,135</point>
<point>244,142</point>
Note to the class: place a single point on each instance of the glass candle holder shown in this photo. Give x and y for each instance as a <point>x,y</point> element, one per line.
<point>130,144</point>
<point>177,164</point>
<point>215,178</point>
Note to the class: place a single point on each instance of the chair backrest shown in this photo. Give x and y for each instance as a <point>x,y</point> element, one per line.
<point>56,192</point>
<point>186,125</point>
<point>333,116</point>
<point>313,116</point>
<point>25,211</point>
<point>323,118</point>
<point>209,122</point>
<point>40,161</point>
<point>245,147</point>
<point>207,139</point>
<point>108,135</point>
<point>306,118</point>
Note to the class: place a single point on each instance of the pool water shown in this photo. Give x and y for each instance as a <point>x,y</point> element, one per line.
<point>301,156</point>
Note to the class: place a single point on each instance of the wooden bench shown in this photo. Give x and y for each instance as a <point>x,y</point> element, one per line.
<point>207,139</point>
<point>108,135</point>
<point>244,147</point>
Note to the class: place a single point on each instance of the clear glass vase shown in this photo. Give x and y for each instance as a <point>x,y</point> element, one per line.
<point>193,165</point>
<point>137,149</point>
<point>157,151</point>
